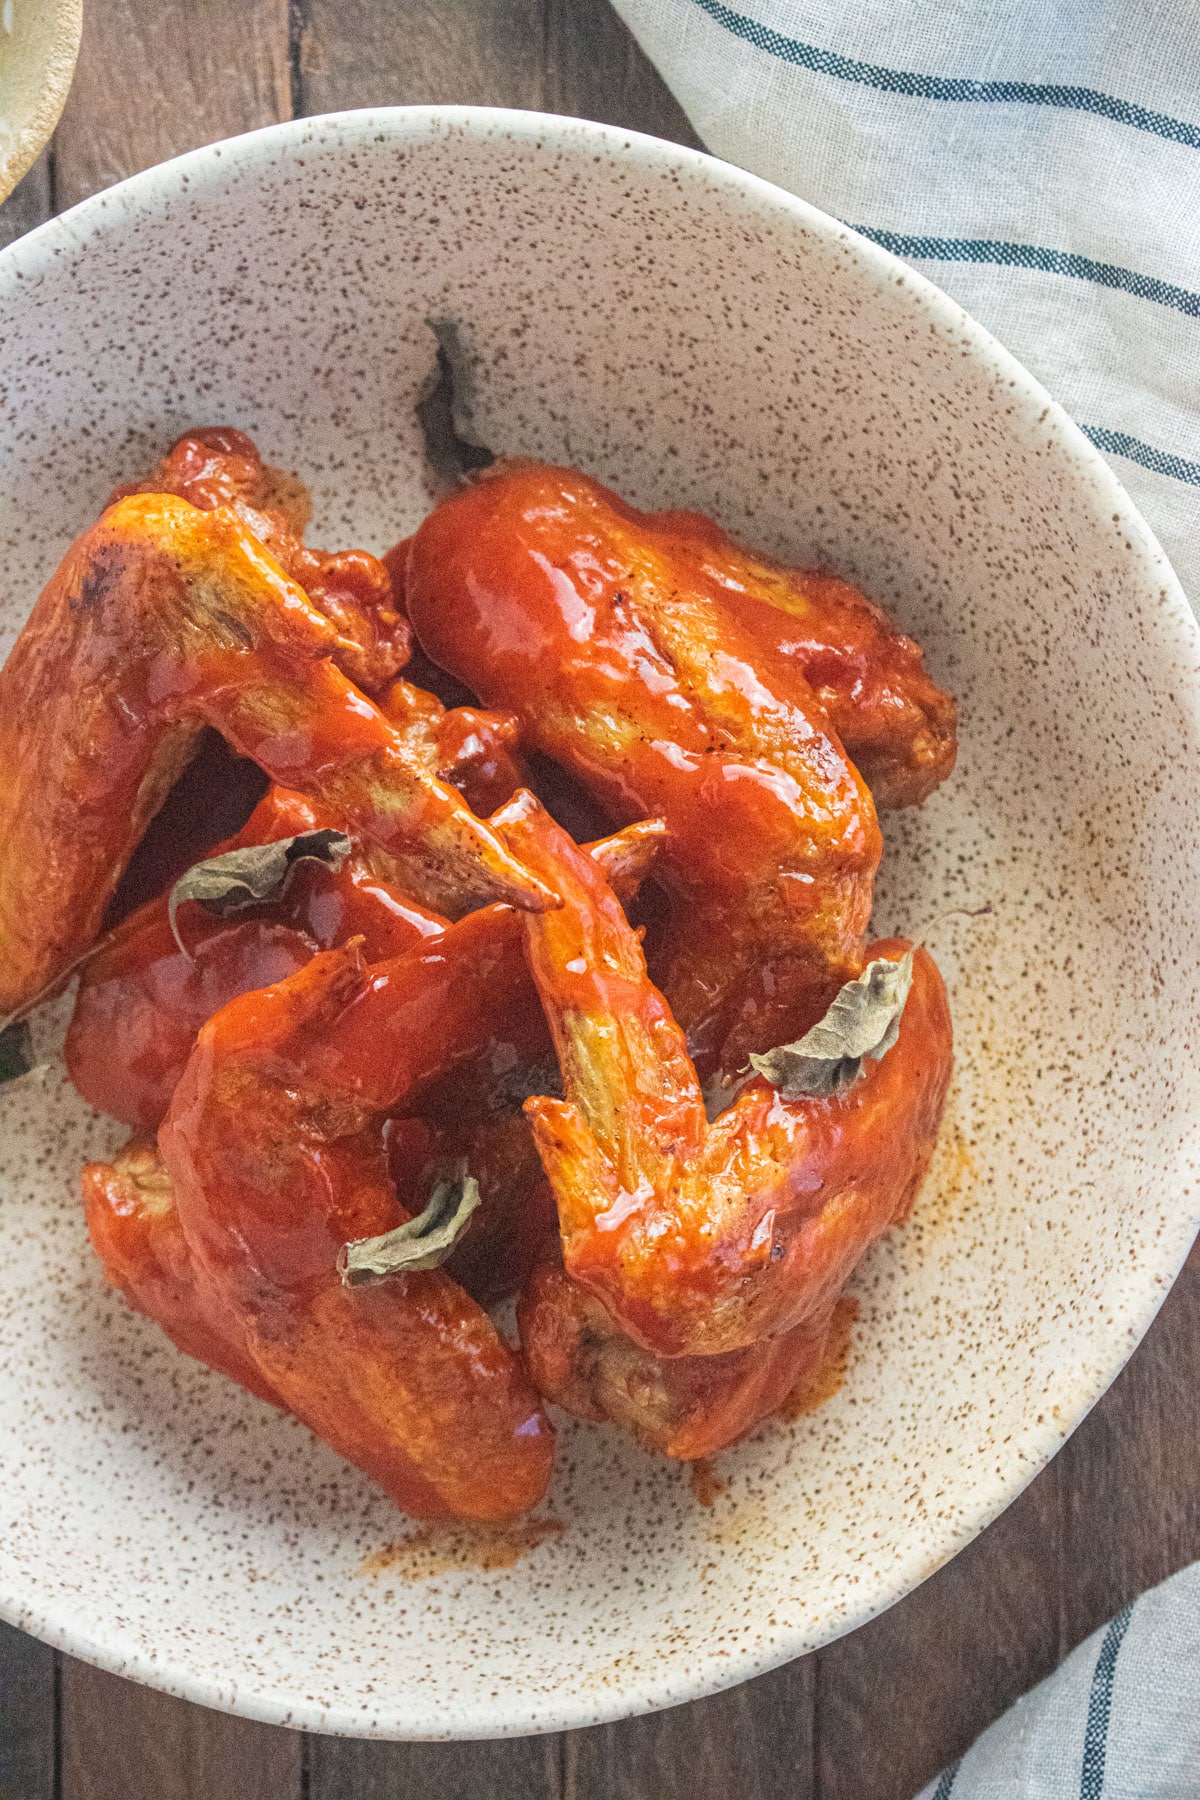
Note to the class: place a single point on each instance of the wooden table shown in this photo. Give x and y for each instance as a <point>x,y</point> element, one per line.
<point>874,1716</point>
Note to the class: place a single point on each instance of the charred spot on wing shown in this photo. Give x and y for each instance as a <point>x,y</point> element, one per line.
<point>449,454</point>
<point>105,568</point>
<point>231,629</point>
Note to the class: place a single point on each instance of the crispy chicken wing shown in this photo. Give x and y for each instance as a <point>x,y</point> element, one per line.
<point>898,727</point>
<point>143,1000</point>
<point>145,994</point>
<point>162,619</point>
<point>703,1238</point>
<point>217,466</point>
<point>320,1062</point>
<point>543,593</point>
<point>682,1406</point>
<point>276,1154</point>
<point>134,1226</point>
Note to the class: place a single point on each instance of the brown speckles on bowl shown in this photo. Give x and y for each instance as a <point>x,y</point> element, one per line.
<point>698,339</point>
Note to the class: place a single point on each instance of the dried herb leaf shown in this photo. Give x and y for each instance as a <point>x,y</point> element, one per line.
<point>862,1022</point>
<point>421,1243</point>
<point>16,1051</point>
<point>240,877</point>
<point>440,410</point>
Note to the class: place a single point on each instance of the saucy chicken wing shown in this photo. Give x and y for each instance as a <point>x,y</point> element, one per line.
<point>145,994</point>
<point>134,1226</point>
<point>703,1238</point>
<point>161,619</point>
<point>276,1155</point>
<point>143,1000</point>
<point>898,727</point>
<point>545,595</point>
<point>684,1407</point>
<point>456,1004</point>
<point>217,466</point>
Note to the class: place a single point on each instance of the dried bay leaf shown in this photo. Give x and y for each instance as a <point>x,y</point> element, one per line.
<point>16,1051</point>
<point>862,1022</point>
<point>450,453</point>
<point>420,1243</point>
<point>259,872</point>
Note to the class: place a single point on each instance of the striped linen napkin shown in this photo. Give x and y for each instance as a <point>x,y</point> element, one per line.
<point>1119,1721</point>
<point>1037,159</point>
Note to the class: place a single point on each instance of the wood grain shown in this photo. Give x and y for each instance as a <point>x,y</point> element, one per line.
<point>30,203</point>
<point>509,1769</point>
<point>122,1742</point>
<point>421,52</point>
<point>157,77</point>
<point>28,1717</point>
<point>562,56</point>
<point>753,1743</point>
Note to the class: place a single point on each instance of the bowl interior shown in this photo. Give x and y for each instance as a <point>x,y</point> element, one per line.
<point>697,339</point>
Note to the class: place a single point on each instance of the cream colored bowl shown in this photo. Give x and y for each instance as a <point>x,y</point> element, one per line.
<point>39,41</point>
<point>697,338</point>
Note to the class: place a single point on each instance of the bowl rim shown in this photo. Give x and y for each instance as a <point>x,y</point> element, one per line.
<point>211,166</point>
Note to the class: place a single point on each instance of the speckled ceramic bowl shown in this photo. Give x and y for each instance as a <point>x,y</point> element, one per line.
<point>697,338</point>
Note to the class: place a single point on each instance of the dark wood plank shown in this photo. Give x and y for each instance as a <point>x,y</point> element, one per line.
<point>595,69</point>
<point>28,1708</point>
<point>156,79</point>
<point>905,1694</point>
<point>122,1742</point>
<point>754,1742</point>
<point>421,52</point>
<point>509,1769</point>
<point>1130,1474</point>
<point>30,203</point>
<point>564,56</point>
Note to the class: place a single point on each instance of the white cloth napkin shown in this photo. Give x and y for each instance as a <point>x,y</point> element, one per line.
<point>1037,159</point>
<point>1120,1720</point>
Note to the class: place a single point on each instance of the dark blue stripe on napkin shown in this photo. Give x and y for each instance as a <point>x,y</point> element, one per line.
<point>1119,443</point>
<point>942,87</point>
<point>1095,1743</point>
<point>1034,256</point>
<point>946,1781</point>
<point>1061,262</point>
